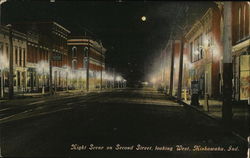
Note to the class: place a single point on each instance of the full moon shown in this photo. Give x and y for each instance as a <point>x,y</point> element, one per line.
<point>143,18</point>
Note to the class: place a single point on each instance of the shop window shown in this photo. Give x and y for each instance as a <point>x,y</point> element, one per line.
<point>83,64</point>
<point>1,48</point>
<point>7,48</point>
<point>244,76</point>
<point>74,64</point>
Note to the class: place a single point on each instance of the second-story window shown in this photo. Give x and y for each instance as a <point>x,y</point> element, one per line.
<point>24,57</point>
<point>1,48</point>
<point>248,9</point>
<point>196,49</point>
<point>20,56</point>
<point>16,55</point>
<point>74,52</point>
<point>244,21</point>
<point>239,24</point>
<point>7,49</point>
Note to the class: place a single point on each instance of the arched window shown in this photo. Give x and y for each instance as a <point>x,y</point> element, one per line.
<point>74,52</point>
<point>74,64</point>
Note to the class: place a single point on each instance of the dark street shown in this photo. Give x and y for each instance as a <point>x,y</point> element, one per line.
<point>124,79</point>
<point>135,122</point>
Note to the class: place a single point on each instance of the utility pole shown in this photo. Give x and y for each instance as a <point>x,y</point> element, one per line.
<point>2,84</point>
<point>113,77</point>
<point>50,73</point>
<point>180,70</point>
<point>2,73</point>
<point>55,81</point>
<point>67,86</point>
<point>227,65</point>
<point>86,50</point>
<point>172,68</point>
<point>11,71</point>
<point>101,67</point>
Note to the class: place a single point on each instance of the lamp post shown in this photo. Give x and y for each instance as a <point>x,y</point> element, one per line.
<point>43,87</point>
<point>67,76</point>
<point>2,84</point>
<point>101,67</point>
<point>50,73</point>
<point>3,66</point>
<point>86,60</point>
<point>205,49</point>
<point>113,77</point>
<point>227,65</point>
<point>11,71</point>
<point>118,79</point>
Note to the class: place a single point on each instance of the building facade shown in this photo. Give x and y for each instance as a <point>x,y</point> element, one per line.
<point>86,53</point>
<point>204,47</point>
<point>19,58</point>
<point>46,42</point>
<point>241,50</point>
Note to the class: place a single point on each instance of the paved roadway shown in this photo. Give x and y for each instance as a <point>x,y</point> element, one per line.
<point>134,122</point>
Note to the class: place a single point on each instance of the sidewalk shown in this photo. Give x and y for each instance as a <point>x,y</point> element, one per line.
<point>240,118</point>
<point>215,107</point>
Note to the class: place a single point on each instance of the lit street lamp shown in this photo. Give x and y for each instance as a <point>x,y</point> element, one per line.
<point>86,60</point>
<point>43,82</point>
<point>43,68</point>
<point>118,79</point>
<point>124,83</point>
<point>66,71</point>
<point>3,65</point>
<point>11,62</point>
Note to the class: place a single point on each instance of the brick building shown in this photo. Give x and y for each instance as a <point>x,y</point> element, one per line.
<point>80,49</point>
<point>241,50</point>
<point>204,57</point>
<point>44,41</point>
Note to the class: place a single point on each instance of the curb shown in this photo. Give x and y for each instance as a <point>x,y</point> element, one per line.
<point>208,116</point>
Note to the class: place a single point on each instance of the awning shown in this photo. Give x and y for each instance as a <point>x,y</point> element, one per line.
<point>241,48</point>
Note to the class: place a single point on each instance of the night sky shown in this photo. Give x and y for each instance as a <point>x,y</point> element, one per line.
<point>131,43</point>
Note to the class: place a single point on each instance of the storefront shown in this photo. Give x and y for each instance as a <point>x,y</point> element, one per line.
<point>31,79</point>
<point>241,70</point>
